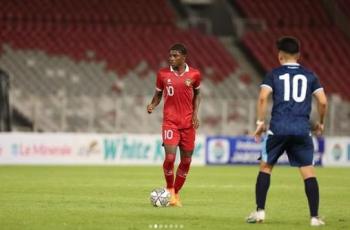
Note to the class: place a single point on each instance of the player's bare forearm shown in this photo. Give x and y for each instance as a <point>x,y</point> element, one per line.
<point>157,98</point>
<point>155,101</point>
<point>260,123</point>
<point>261,109</point>
<point>261,112</point>
<point>262,103</point>
<point>196,101</point>
<point>322,105</point>
<point>322,109</point>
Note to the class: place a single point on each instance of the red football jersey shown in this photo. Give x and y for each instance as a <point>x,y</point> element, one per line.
<point>178,95</point>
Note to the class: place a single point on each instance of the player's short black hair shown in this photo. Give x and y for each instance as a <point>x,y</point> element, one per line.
<point>179,47</point>
<point>288,44</point>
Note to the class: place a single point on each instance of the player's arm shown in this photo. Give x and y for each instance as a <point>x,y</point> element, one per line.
<point>322,105</point>
<point>196,101</point>
<point>157,97</point>
<point>261,111</point>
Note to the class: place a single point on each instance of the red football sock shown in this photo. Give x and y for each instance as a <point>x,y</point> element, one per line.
<point>168,168</point>
<point>181,173</point>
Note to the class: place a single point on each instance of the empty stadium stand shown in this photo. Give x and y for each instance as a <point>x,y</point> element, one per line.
<point>78,12</point>
<point>89,66</point>
<point>344,6</point>
<point>325,49</point>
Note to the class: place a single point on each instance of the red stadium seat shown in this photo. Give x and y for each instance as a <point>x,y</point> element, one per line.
<point>324,48</point>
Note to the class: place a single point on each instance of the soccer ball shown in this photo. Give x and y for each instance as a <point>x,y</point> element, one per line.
<point>160,197</point>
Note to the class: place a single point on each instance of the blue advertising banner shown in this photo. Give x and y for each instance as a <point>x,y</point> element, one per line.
<point>337,152</point>
<point>244,150</point>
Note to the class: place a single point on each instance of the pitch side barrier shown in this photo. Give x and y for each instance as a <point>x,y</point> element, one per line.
<point>337,152</point>
<point>87,149</point>
<point>243,150</point>
<point>146,149</point>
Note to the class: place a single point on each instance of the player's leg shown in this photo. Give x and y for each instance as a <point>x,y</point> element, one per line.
<point>262,184</point>
<point>168,169</point>
<point>312,193</point>
<point>273,148</point>
<point>168,165</point>
<point>181,173</point>
<point>183,169</point>
<point>261,188</point>
<point>170,141</point>
<point>187,139</point>
<point>301,155</point>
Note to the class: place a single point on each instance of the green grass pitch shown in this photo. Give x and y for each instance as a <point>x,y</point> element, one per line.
<point>43,197</point>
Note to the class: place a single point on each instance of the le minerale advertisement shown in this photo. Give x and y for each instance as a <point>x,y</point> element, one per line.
<point>92,149</point>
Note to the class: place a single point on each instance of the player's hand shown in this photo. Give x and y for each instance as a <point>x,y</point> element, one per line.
<point>260,129</point>
<point>195,122</point>
<point>319,128</point>
<point>150,108</point>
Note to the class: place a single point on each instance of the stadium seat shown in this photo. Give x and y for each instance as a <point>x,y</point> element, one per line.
<point>324,47</point>
<point>86,50</point>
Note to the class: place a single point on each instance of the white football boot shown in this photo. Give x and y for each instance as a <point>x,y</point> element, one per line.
<point>256,217</point>
<point>316,221</point>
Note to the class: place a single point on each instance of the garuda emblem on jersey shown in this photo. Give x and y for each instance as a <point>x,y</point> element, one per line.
<point>188,82</point>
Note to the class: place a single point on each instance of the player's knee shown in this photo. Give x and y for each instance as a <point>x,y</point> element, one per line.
<point>266,168</point>
<point>168,164</point>
<point>307,172</point>
<point>169,158</point>
<point>186,161</point>
<point>186,153</point>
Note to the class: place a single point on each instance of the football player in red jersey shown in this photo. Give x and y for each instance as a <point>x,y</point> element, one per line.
<point>180,85</point>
